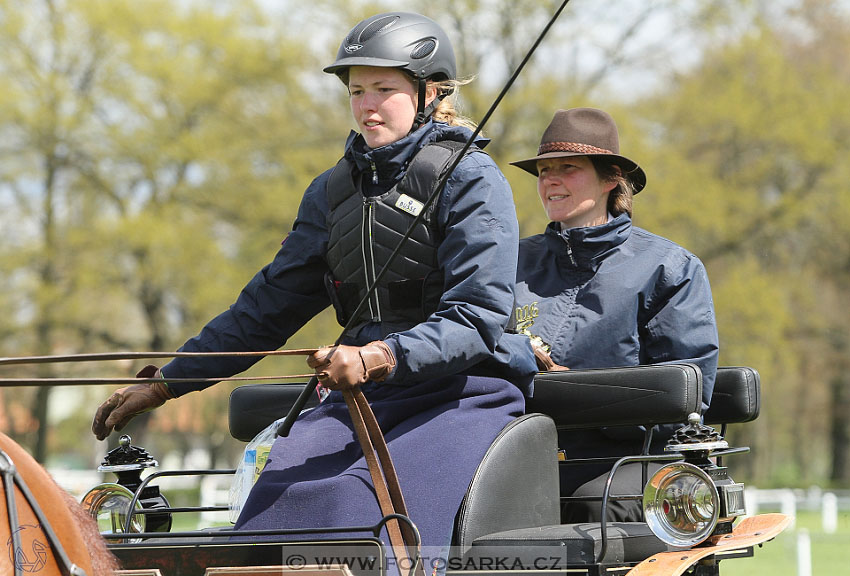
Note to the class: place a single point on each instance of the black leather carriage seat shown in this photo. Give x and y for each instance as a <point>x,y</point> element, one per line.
<point>573,399</point>
<point>516,484</point>
<point>736,397</point>
<point>513,499</point>
<point>631,396</point>
<point>254,406</point>
<point>645,395</point>
<point>642,395</point>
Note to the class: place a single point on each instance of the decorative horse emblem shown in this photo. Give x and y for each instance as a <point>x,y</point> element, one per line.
<point>31,554</point>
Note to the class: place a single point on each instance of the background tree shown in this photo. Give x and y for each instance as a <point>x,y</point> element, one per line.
<point>149,154</point>
<point>747,154</point>
<point>153,155</point>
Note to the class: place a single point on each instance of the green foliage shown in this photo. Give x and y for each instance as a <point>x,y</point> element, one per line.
<point>745,168</point>
<point>158,167</point>
<point>153,155</point>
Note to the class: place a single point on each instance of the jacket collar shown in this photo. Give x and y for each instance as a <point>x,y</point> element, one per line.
<point>588,246</point>
<point>390,162</point>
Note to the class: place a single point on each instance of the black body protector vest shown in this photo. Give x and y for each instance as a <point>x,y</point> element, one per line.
<point>364,231</point>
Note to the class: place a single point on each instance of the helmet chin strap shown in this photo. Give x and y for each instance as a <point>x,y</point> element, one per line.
<point>424,112</point>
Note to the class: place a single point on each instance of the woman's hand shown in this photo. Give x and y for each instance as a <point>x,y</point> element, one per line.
<point>541,355</point>
<point>130,401</point>
<point>343,367</point>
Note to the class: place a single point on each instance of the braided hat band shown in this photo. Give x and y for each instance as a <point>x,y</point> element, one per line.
<point>571,147</point>
<point>583,132</point>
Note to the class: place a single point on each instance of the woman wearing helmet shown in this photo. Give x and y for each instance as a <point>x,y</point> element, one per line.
<point>425,348</point>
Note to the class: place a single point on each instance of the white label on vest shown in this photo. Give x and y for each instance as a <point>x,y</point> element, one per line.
<point>409,205</point>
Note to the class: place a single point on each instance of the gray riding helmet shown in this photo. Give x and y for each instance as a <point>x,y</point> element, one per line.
<point>404,40</point>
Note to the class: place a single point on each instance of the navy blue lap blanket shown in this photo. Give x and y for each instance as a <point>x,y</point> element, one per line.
<point>437,433</point>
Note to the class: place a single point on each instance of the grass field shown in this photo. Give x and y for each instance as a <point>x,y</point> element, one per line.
<point>830,553</point>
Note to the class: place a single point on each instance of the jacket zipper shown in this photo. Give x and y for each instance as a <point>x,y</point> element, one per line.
<point>374,172</point>
<point>369,259</point>
<point>569,249</point>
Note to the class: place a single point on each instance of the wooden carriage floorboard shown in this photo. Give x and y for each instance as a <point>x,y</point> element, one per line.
<point>751,531</point>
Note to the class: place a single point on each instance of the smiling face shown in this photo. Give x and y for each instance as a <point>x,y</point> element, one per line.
<point>383,103</point>
<point>572,192</point>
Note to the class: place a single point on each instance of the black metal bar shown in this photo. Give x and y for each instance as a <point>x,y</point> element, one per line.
<point>230,533</point>
<point>131,509</point>
<point>606,459</point>
<point>174,509</point>
<point>296,408</point>
<point>417,540</point>
<point>603,547</point>
<point>723,434</point>
<point>596,460</point>
<point>731,451</point>
<point>565,499</point>
<point>644,467</point>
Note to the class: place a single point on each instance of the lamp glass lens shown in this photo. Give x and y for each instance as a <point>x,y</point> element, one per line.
<point>109,505</point>
<point>681,505</point>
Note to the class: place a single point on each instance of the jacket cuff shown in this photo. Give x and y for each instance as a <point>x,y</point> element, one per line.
<point>392,344</point>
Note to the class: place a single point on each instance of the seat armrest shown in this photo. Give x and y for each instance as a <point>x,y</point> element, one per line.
<point>736,397</point>
<point>254,406</point>
<point>516,483</point>
<point>628,396</point>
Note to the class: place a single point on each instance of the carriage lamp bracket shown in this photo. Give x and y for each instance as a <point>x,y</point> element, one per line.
<point>697,443</point>
<point>128,462</point>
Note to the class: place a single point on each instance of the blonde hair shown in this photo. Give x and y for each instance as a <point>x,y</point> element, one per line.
<point>446,110</point>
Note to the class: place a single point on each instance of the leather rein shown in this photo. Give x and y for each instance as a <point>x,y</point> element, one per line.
<point>404,538</point>
<point>108,356</point>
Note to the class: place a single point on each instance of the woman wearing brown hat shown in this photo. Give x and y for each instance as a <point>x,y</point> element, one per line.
<point>600,292</point>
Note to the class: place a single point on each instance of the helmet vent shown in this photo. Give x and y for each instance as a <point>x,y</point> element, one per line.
<point>424,48</point>
<point>377,26</point>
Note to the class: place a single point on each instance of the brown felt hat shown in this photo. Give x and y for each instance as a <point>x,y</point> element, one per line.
<point>583,132</point>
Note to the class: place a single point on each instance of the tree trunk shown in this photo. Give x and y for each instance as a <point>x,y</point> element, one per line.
<point>840,428</point>
<point>46,314</point>
<point>839,393</point>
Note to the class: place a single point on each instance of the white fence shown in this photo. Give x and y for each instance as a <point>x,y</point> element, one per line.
<point>828,503</point>
<point>789,502</point>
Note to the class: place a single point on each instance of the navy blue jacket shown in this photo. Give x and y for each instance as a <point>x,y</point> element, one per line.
<point>616,295</point>
<point>609,296</point>
<point>478,255</point>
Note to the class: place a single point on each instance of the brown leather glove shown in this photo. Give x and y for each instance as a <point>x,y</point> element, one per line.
<point>544,360</point>
<point>343,367</point>
<point>130,401</point>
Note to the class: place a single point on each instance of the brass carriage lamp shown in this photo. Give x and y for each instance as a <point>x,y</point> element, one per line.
<point>110,503</point>
<point>687,502</point>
